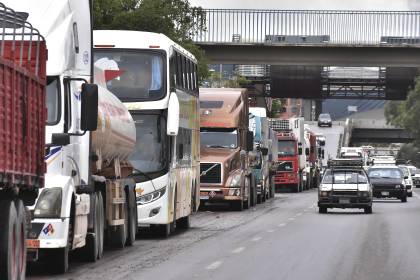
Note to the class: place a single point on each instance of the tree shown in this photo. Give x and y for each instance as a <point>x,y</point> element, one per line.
<point>406,113</point>
<point>177,19</point>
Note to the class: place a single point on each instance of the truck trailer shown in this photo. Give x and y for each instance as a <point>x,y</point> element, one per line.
<point>23,58</point>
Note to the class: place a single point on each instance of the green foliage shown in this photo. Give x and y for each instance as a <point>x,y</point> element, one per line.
<point>410,152</point>
<point>406,113</point>
<point>177,19</point>
<point>276,108</point>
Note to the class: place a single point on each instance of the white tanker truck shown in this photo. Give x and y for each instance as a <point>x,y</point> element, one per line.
<point>89,196</point>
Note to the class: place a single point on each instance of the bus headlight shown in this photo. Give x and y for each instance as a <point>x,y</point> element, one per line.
<point>150,197</point>
<point>48,204</point>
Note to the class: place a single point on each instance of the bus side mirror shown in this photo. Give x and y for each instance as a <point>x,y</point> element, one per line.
<point>173,115</point>
<point>249,141</point>
<point>323,154</point>
<point>89,107</point>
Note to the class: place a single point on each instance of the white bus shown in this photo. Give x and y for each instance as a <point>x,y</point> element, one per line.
<point>157,80</point>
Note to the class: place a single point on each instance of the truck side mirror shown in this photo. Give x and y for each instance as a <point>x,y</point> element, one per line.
<point>89,107</point>
<point>249,141</point>
<point>319,151</point>
<point>323,154</point>
<point>60,139</point>
<point>264,151</point>
<point>300,150</point>
<point>307,151</point>
<point>173,115</point>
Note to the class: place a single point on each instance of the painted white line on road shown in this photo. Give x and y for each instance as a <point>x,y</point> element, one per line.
<point>238,250</point>
<point>214,265</point>
<point>271,230</point>
<point>256,238</point>
<point>306,210</point>
<point>282,225</point>
<point>298,214</point>
<point>291,219</point>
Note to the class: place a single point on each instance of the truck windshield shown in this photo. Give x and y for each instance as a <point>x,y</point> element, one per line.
<point>132,75</point>
<point>391,173</point>
<point>286,148</point>
<point>52,98</point>
<point>219,138</point>
<point>344,177</point>
<point>151,152</point>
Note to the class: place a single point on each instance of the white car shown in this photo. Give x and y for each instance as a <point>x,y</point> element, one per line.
<point>415,175</point>
<point>408,179</point>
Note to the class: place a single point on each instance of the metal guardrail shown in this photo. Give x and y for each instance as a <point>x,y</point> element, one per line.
<point>310,27</point>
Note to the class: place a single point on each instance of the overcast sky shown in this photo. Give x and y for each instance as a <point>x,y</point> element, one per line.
<point>311,4</point>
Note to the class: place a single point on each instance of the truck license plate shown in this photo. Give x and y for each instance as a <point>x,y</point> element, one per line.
<point>344,200</point>
<point>385,193</point>
<point>32,243</point>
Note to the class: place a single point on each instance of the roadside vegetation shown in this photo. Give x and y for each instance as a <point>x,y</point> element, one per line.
<point>177,19</point>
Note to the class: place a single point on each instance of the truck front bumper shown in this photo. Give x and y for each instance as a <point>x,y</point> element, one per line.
<point>220,194</point>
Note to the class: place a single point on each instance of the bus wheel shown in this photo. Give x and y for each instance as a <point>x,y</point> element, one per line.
<point>8,241</point>
<point>184,222</point>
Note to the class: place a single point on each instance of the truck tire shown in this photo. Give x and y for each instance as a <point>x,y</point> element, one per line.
<point>237,205</point>
<point>254,192</point>
<point>8,236</point>
<point>410,194</point>
<point>404,198</point>
<point>117,235</point>
<point>91,249</point>
<point>272,187</point>
<point>263,194</point>
<point>323,210</point>
<point>247,202</point>
<point>58,260</point>
<point>101,232</point>
<point>131,218</point>
<point>21,241</point>
<point>368,210</point>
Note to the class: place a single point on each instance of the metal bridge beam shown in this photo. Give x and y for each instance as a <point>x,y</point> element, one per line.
<point>313,55</point>
<point>392,135</point>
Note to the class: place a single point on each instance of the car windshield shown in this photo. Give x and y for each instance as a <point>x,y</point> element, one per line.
<point>286,148</point>
<point>52,98</point>
<point>151,151</point>
<point>132,75</point>
<point>324,117</point>
<point>390,173</point>
<point>223,138</point>
<point>344,177</point>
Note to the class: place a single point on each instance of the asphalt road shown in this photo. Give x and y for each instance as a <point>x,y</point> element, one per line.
<point>286,238</point>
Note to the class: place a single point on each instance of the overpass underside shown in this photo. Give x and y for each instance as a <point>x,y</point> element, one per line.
<point>387,135</point>
<point>299,45</point>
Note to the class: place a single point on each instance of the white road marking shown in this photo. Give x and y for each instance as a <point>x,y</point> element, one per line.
<point>214,265</point>
<point>282,225</point>
<point>291,219</point>
<point>256,238</point>
<point>238,250</point>
<point>298,214</point>
<point>271,230</point>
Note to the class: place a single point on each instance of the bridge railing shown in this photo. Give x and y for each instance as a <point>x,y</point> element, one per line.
<point>310,27</point>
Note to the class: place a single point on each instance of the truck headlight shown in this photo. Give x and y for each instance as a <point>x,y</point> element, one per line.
<point>236,180</point>
<point>49,204</point>
<point>364,194</point>
<point>150,197</point>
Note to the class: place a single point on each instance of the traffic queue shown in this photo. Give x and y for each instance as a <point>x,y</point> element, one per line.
<point>359,176</point>
<point>123,122</point>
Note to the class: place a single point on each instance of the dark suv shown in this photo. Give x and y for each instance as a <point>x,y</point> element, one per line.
<point>388,181</point>
<point>324,120</point>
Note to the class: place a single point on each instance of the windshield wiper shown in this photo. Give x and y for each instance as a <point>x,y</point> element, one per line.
<point>139,172</point>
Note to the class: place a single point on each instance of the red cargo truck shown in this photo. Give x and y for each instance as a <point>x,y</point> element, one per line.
<point>287,176</point>
<point>22,123</point>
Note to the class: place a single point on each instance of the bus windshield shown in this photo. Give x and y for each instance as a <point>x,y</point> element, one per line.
<point>286,148</point>
<point>151,152</point>
<point>132,75</point>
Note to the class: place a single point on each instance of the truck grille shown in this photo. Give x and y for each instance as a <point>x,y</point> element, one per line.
<point>285,166</point>
<point>213,175</point>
